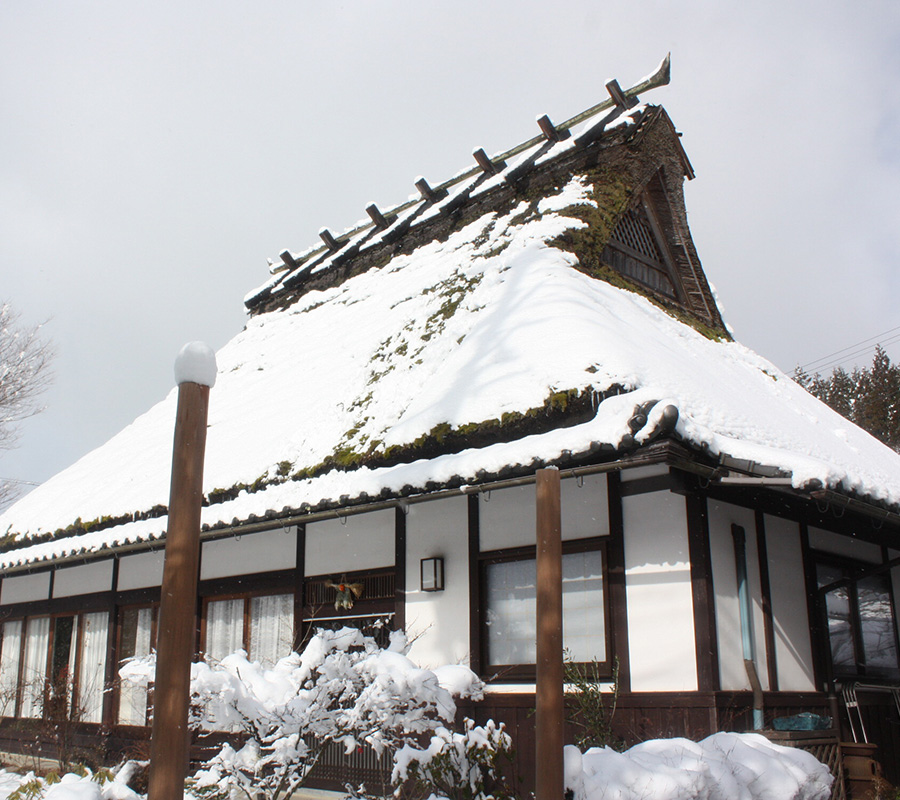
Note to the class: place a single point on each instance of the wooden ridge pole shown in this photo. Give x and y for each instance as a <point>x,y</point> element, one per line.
<point>549,776</point>
<point>170,738</point>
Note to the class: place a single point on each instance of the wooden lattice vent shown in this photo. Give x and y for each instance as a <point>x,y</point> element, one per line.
<point>376,585</point>
<point>634,251</point>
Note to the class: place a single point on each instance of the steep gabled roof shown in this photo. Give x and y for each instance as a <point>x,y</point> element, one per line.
<point>478,334</point>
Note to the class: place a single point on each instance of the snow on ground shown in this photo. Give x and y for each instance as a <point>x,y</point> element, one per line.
<point>725,766</point>
<point>490,321</point>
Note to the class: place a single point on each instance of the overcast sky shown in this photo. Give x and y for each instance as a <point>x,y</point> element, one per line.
<point>153,155</point>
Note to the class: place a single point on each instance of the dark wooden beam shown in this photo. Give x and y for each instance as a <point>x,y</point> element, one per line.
<point>766,591</point>
<point>484,161</point>
<point>428,193</point>
<point>328,237</point>
<point>380,220</point>
<point>705,634</point>
<point>618,96</point>
<point>551,134</point>
<point>288,259</point>
<point>549,700</point>
<point>171,737</point>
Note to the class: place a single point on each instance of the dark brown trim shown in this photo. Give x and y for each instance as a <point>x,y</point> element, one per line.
<point>765,589</point>
<point>400,568</point>
<point>615,557</point>
<point>818,632</point>
<point>280,582</point>
<point>474,587</point>
<point>110,692</point>
<point>704,596</point>
<point>299,588</point>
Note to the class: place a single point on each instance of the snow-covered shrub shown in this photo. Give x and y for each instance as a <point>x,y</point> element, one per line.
<point>459,766</point>
<point>724,766</point>
<point>342,688</point>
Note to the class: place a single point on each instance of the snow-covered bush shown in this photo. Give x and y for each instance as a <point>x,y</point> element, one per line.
<point>459,766</point>
<point>724,766</point>
<point>343,688</point>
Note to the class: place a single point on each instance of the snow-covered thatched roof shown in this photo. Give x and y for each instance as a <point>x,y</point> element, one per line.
<point>478,335</point>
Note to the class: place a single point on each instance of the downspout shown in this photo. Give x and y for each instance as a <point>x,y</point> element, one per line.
<point>740,557</point>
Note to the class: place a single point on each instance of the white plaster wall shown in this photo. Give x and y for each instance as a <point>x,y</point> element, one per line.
<point>507,517</point>
<point>141,571</point>
<point>438,621</point>
<point>83,579</point>
<point>732,674</point>
<point>787,587</point>
<point>360,541</point>
<point>830,542</point>
<point>658,593</point>
<point>266,551</point>
<point>25,588</point>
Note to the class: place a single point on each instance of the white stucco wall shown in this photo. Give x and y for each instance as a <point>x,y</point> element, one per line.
<point>438,621</point>
<point>732,673</point>
<point>507,517</point>
<point>25,588</point>
<point>787,588</point>
<point>266,551</point>
<point>141,571</point>
<point>83,579</point>
<point>359,541</point>
<point>841,545</point>
<point>661,641</point>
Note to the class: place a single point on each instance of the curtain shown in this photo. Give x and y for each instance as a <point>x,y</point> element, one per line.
<point>10,653</point>
<point>92,669</point>
<point>136,629</point>
<point>224,627</point>
<point>271,627</point>
<point>511,598</point>
<point>34,676</point>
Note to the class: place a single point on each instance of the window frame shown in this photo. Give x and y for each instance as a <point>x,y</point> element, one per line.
<point>247,598</point>
<point>522,673</point>
<point>120,629</point>
<point>853,572</point>
<point>74,680</point>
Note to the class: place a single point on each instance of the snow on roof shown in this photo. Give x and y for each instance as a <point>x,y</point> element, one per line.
<point>320,400</point>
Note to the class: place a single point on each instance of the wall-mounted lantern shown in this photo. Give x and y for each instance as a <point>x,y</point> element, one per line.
<point>432,574</point>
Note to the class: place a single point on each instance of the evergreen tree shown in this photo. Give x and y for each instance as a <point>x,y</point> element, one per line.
<point>870,397</point>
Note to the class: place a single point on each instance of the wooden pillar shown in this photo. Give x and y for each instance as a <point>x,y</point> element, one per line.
<point>549,776</point>
<point>170,742</point>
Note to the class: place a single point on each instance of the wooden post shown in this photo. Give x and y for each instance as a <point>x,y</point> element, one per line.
<point>170,737</point>
<point>549,690</point>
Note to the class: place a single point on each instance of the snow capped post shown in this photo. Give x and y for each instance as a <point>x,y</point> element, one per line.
<point>195,374</point>
<point>549,689</point>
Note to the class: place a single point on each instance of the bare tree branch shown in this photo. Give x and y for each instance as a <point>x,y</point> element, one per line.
<point>25,357</point>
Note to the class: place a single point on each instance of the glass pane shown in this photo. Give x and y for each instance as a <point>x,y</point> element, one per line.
<point>92,670</point>
<point>511,600</point>
<point>837,608</point>
<point>34,672</point>
<point>876,619</point>
<point>136,629</point>
<point>510,606</point>
<point>10,656</point>
<point>224,628</point>
<point>271,628</point>
<point>584,627</point>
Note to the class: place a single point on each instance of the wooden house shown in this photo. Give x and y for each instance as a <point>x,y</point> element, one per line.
<point>381,418</point>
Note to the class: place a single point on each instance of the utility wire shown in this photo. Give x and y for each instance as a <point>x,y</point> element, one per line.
<point>842,355</point>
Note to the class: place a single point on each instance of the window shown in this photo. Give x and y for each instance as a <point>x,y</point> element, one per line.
<point>509,595</point>
<point>862,633</point>
<point>57,669</point>
<point>137,636</point>
<point>263,625</point>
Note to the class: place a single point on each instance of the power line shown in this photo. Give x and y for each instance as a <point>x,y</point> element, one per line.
<point>840,356</point>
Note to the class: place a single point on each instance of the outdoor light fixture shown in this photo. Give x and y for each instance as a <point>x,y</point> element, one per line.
<point>432,574</point>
